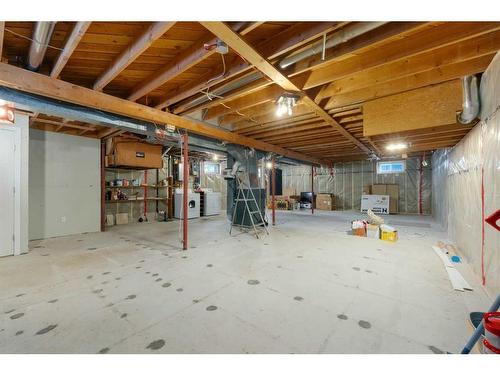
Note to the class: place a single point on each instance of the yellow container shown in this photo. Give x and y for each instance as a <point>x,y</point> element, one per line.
<point>389,236</point>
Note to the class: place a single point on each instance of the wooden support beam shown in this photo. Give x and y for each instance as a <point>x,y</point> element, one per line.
<point>182,62</point>
<point>426,40</point>
<point>35,83</point>
<point>407,83</point>
<point>453,54</point>
<point>267,94</point>
<point>283,42</point>
<point>134,50</point>
<point>253,57</point>
<point>74,38</point>
<point>2,30</point>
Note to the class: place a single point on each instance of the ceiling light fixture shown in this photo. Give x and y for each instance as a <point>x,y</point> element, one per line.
<point>6,112</point>
<point>269,165</point>
<point>285,104</point>
<point>396,146</point>
<point>215,157</point>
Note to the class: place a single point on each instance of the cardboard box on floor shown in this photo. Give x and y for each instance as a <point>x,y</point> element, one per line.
<point>392,190</point>
<point>325,202</point>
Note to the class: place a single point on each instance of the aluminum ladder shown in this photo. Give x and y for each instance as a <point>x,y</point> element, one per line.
<point>240,197</point>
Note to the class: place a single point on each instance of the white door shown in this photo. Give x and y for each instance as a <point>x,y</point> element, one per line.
<point>7,142</point>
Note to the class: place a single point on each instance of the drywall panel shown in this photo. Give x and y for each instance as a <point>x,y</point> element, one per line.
<point>64,184</point>
<point>417,109</point>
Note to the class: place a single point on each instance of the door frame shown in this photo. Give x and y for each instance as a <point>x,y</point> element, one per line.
<point>17,185</point>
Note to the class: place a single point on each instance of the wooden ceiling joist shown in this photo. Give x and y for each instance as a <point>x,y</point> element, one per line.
<point>134,50</point>
<point>424,41</point>
<point>277,45</point>
<point>24,80</point>
<point>74,38</point>
<point>2,30</point>
<point>252,56</point>
<point>407,83</point>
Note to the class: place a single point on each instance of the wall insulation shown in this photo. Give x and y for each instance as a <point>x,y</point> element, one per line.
<point>460,175</point>
<point>347,181</point>
<point>216,182</point>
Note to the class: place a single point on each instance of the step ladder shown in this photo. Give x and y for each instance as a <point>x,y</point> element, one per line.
<point>248,200</point>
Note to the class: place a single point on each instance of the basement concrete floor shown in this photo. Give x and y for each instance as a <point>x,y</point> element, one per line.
<point>309,287</point>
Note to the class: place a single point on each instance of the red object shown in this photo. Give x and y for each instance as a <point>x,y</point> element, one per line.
<point>145,195</point>
<point>273,192</point>
<point>490,347</point>
<point>483,274</point>
<point>421,173</point>
<point>185,182</point>
<point>312,188</point>
<point>492,323</point>
<point>103,187</point>
<point>493,218</point>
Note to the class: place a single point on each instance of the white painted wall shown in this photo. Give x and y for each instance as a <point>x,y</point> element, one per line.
<point>64,189</point>
<point>20,129</point>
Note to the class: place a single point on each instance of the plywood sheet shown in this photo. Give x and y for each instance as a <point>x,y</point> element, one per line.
<point>418,109</point>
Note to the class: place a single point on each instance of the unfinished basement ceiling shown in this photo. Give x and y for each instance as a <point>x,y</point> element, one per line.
<point>339,88</point>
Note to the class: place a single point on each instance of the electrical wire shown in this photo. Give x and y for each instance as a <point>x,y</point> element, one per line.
<point>32,40</point>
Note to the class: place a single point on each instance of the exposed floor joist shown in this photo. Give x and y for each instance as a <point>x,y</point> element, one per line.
<point>39,84</point>
<point>250,54</point>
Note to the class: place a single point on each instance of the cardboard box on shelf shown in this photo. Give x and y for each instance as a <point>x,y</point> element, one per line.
<point>325,202</point>
<point>135,154</point>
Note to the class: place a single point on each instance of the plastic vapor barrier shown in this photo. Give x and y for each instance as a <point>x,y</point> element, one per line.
<point>347,181</point>
<point>467,178</point>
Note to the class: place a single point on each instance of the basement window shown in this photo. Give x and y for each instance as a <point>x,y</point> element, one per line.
<point>211,168</point>
<point>387,167</point>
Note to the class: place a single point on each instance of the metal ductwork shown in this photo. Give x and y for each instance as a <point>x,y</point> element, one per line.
<point>470,105</point>
<point>41,38</point>
<point>337,38</point>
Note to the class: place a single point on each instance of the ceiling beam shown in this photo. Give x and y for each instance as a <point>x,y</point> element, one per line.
<point>2,30</point>
<point>407,83</point>
<point>424,41</point>
<point>76,35</point>
<point>253,57</point>
<point>39,84</point>
<point>182,62</point>
<point>265,95</point>
<point>132,52</point>
<point>291,38</point>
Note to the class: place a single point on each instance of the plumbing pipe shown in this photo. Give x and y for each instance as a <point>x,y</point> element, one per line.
<point>470,105</point>
<point>41,38</point>
<point>339,37</point>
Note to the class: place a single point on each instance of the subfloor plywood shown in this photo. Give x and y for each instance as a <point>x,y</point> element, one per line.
<point>309,287</point>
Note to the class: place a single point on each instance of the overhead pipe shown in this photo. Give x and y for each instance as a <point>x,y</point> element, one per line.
<point>470,105</point>
<point>42,34</point>
<point>337,38</point>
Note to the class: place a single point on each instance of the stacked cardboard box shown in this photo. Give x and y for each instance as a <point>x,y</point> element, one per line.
<point>392,190</point>
<point>325,202</point>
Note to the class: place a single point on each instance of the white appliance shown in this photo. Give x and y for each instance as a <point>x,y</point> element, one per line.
<point>193,210</point>
<point>211,203</point>
<point>379,204</point>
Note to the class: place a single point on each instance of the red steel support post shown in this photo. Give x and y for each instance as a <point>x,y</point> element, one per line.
<point>103,187</point>
<point>312,189</point>
<point>185,183</point>
<point>273,191</point>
